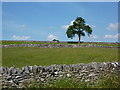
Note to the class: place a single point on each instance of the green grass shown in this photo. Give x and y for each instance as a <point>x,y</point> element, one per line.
<point>109,81</point>
<point>26,42</point>
<point>22,56</point>
<point>59,83</point>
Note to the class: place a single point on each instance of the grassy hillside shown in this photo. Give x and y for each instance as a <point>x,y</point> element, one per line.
<point>22,56</point>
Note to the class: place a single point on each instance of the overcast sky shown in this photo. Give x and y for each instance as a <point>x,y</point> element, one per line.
<point>46,21</point>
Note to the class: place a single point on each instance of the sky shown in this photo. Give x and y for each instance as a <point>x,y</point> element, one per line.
<point>45,21</point>
<point>60,0</point>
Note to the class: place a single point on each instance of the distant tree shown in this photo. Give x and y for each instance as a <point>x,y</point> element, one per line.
<point>79,27</point>
<point>56,40</point>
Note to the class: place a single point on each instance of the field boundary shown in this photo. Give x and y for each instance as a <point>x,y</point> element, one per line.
<point>56,46</point>
<point>13,77</point>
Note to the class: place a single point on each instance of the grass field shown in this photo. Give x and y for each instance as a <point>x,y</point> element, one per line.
<point>22,56</point>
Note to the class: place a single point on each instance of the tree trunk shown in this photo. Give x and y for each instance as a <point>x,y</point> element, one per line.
<point>79,38</point>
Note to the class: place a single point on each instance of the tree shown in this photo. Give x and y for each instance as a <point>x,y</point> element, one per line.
<point>55,40</point>
<point>79,27</point>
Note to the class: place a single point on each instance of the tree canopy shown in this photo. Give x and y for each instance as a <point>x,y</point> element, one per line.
<point>79,27</point>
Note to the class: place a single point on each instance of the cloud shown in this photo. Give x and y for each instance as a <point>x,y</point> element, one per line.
<point>112,36</point>
<point>71,23</point>
<point>93,26</point>
<point>76,38</point>
<point>23,26</point>
<point>66,26</point>
<point>52,28</point>
<point>94,36</point>
<point>91,37</point>
<point>20,37</point>
<point>51,37</point>
<point>113,26</point>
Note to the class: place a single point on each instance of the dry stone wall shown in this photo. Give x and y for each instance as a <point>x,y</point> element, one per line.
<point>56,46</point>
<point>15,77</point>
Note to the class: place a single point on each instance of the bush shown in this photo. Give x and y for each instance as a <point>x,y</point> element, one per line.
<point>56,40</point>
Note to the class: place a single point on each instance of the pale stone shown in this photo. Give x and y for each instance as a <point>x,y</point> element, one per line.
<point>68,75</point>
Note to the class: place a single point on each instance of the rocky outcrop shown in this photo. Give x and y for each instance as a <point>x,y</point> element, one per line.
<point>56,46</point>
<point>15,77</point>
